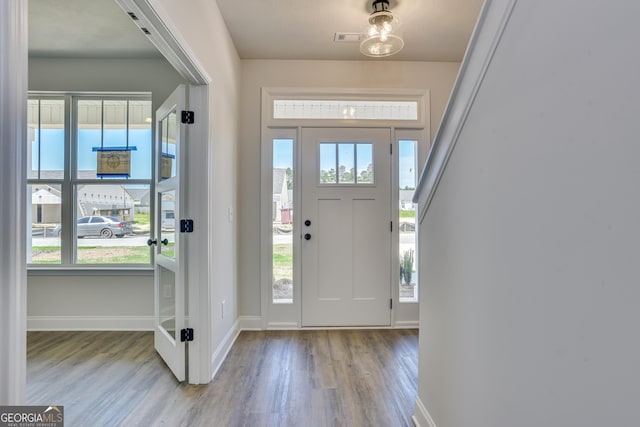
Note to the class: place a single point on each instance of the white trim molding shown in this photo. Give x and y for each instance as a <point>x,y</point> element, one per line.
<point>421,417</point>
<point>283,326</point>
<point>220,354</point>
<point>13,163</point>
<point>406,324</point>
<point>492,21</point>
<point>288,316</point>
<point>166,39</point>
<point>250,323</point>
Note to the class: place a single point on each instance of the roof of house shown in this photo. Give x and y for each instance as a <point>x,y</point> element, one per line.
<point>279,179</point>
<point>406,195</point>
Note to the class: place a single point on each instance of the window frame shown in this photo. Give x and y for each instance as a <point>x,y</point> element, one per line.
<point>70,181</point>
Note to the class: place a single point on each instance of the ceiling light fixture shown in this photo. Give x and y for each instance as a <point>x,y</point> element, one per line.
<point>381,38</point>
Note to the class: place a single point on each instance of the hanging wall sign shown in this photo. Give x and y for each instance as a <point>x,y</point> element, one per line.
<point>167,165</point>
<point>113,161</point>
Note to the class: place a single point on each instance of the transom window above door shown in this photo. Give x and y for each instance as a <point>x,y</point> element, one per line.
<point>344,109</point>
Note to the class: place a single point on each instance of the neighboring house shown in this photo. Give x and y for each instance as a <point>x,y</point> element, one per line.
<point>105,200</point>
<point>111,200</point>
<point>406,200</point>
<point>281,204</point>
<point>45,205</point>
<point>141,199</point>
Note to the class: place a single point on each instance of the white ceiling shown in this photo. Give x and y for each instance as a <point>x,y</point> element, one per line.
<point>433,30</point>
<point>84,28</point>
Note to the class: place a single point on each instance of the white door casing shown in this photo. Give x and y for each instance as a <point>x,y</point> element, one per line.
<point>169,292</point>
<point>346,248</point>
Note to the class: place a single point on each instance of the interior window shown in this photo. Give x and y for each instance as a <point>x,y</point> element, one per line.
<point>108,179</point>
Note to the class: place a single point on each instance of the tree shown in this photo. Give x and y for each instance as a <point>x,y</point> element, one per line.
<point>328,176</point>
<point>366,174</point>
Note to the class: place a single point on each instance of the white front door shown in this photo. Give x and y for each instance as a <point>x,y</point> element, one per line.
<point>169,292</point>
<point>345,227</point>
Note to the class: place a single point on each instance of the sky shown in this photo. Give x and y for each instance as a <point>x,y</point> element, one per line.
<point>52,149</point>
<point>52,153</point>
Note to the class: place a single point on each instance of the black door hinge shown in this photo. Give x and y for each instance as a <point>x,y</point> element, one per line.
<point>186,226</point>
<point>187,117</point>
<point>390,303</point>
<point>186,334</point>
<point>390,148</point>
<point>391,226</point>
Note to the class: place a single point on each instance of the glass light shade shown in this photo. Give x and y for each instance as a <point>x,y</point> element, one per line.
<point>380,45</point>
<point>381,37</point>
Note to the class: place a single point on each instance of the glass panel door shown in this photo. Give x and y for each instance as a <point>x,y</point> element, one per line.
<point>169,272</point>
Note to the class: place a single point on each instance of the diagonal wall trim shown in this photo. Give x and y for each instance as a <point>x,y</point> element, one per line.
<point>220,354</point>
<point>421,417</point>
<point>485,39</point>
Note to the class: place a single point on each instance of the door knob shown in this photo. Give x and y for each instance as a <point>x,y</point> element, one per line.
<point>307,236</point>
<point>152,242</point>
<point>307,222</point>
<point>165,242</point>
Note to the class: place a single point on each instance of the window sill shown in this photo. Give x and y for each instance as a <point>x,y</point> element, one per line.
<point>90,271</point>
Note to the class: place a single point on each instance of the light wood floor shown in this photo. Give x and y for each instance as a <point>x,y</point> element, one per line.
<point>348,378</point>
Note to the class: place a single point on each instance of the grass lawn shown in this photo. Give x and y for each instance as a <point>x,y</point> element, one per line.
<point>282,261</point>
<point>407,214</point>
<point>96,255</point>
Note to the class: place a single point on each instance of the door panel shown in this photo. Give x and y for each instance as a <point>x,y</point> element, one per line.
<point>166,245</point>
<point>169,294</point>
<point>346,251</point>
<point>167,302</point>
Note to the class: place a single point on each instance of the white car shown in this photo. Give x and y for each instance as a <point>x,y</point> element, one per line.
<point>99,226</point>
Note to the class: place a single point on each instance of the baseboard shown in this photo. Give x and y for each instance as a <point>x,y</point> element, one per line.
<point>90,323</point>
<point>406,324</point>
<point>282,325</point>
<point>250,323</point>
<point>220,354</point>
<point>421,417</point>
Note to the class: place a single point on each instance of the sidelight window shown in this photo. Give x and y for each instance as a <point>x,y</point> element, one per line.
<point>407,166</point>
<point>282,221</point>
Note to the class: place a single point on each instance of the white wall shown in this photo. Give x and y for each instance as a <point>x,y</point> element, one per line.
<point>77,302</point>
<point>529,309</point>
<point>120,301</point>
<point>437,77</point>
